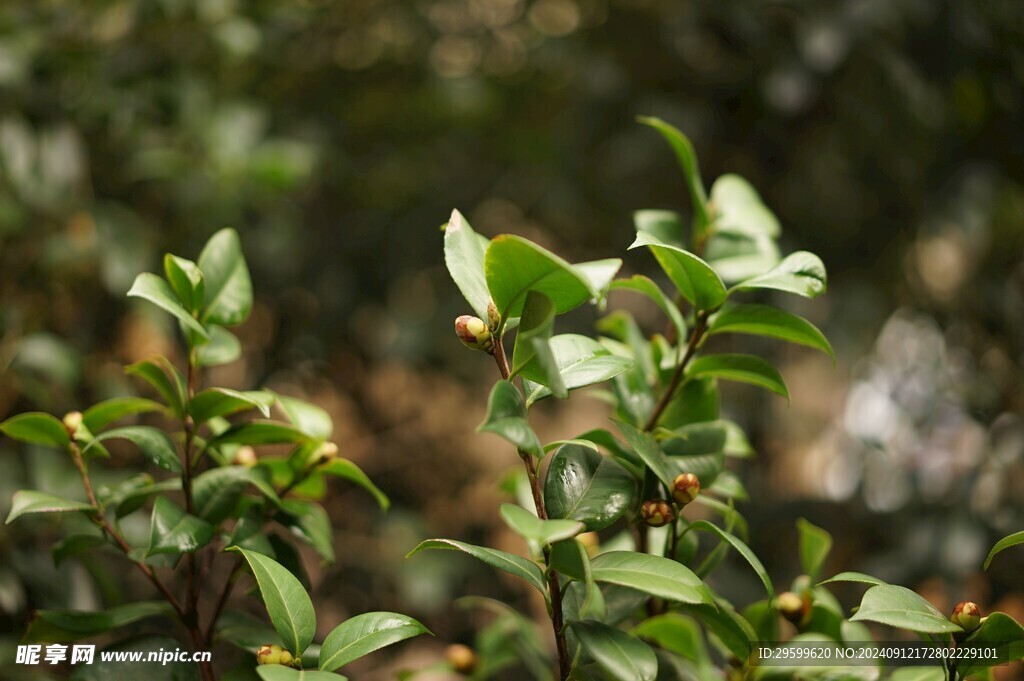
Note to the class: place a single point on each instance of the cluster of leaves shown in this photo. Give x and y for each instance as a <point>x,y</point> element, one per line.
<point>210,490</point>
<point>636,601</point>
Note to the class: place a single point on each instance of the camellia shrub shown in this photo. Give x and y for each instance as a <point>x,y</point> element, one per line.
<point>212,495</point>
<point>628,580</point>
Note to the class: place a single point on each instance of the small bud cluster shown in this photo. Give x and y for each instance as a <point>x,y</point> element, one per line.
<point>657,512</point>
<point>473,333</point>
<point>967,615</point>
<point>274,654</point>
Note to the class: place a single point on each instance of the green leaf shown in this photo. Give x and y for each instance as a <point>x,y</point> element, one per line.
<point>648,450</point>
<point>165,379</point>
<point>223,348</point>
<point>174,531</point>
<point>693,278</point>
<point>599,274</point>
<point>312,420</point>
<point>741,548</point>
<point>581,362</point>
<point>688,162</point>
<point>155,444</point>
<point>529,526</point>
<point>186,281</point>
<point>583,485</point>
<point>508,562</point>
<point>514,266</point>
<point>74,545</point>
<point>741,368</point>
<point>216,492</point>
<point>1003,544</point>
<point>464,252</point>
<point>117,668</point>
<point>31,501</point>
<point>674,632</point>
<point>214,402</point>
<point>900,607</point>
<point>36,428</point>
<point>652,575</point>
<point>801,273</point>
<point>664,225</point>
<point>157,291</point>
<point>707,437</point>
<point>277,672</point>
<point>260,433</point>
<point>645,287</point>
<point>131,494</point>
<point>858,577</point>
<point>593,605</point>
<point>343,468</point>
<point>620,655</point>
<point>291,611</point>
<point>102,414</point>
<point>532,356</point>
<point>1000,631</point>
<point>309,522</point>
<point>737,257</point>
<point>228,296</point>
<point>65,626</point>
<point>736,207</point>
<point>724,622</point>
<point>815,544</point>
<point>363,634</point>
<point>764,320</point>
<point>506,417</point>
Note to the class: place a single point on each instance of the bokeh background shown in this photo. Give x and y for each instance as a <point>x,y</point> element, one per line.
<point>338,136</point>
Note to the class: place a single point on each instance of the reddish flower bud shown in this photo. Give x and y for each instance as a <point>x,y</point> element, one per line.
<point>967,615</point>
<point>462,658</point>
<point>657,512</point>
<point>685,488</point>
<point>473,333</point>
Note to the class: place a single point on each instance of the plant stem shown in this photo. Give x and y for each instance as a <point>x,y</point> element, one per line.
<point>696,336</point>
<point>554,588</point>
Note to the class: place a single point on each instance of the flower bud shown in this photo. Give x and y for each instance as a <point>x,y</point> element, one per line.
<point>473,333</point>
<point>72,421</point>
<point>657,512</point>
<point>462,658</point>
<point>323,454</point>
<point>967,615</point>
<point>790,606</point>
<point>245,456</point>
<point>685,488</point>
<point>493,316</point>
<point>590,542</point>
<point>274,654</point>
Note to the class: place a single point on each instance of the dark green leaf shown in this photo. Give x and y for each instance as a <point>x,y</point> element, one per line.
<point>583,485</point>
<point>186,281</point>
<point>529,526</point>
<point>532,357</point>
<point>764,320</point>
<point>157,291</point>
<point>65,626</point>
<point>288,604</point>
<point>693,278</point>
<point>742,368</point>
<point>648,450</point>
<point>620,655</point>
<point>688,162</point>
<point>166,379</point>
<point>510,563</point>
<point>506,417</point>
<point>214,402</point>
<point>74,545</point>
<point>706,437</point>
<point>216,492</point>
<point>363,634</point>
<point>815,543</point>
<point>644,286</point>
<point>152,442</point>
<point>228,295</point>
<point>653,575</point>
<point>801,273</point>
<point>1003,544</point>
<point>343,468</point>
<point>249,534</point>
<point>727,625</point>
<point>174,531</point>
<point>222,348</point>
<point>464,252</point>
<point>675,632</point>
<point>31,501</point>
<point>117,669</point>
<point>36,428</point>
<point>260,433</point>
<point>741,548</point>
<point>900,607</point>
<point>104,413</point>
<point>309,522</point>
<point>1001,631</point>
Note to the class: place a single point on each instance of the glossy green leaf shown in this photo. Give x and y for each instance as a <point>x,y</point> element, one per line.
<point>645,287</point>
<point>664,225</point>
<point>508,562</point>
<point>675,632</point>
<point>736,207</point>
<point>276,672</point>
<point>66,626</point>
<point>99,416</point>
<point>688,162</point>
<point>692,276</point>
<point>741,548</point>
<point>75,545</point>
<point>36,428</point>
<point>260,433</point>
<point>343,468</point>
<point>532,357</point>
<point>764,320</point>
<point>652,575</point>
<point>514,266</point>
<point>31,501</point>
<point>155,444</point>
<point>174,531</point>
<point>165,379</point>
<point>581,362</point>
<point>620,655</point>
<point>858,577</point>
<point>801,273</point>
<point>311,419</point>
<point>157,291</point>
<point>741,368</point>
<point>228,295</point>
<point>214,402</point>
<point>900,607</point>
<point>1001,631</point>
<point>706,437</point>
<point>223,348</point>
<point>291,611</point>
<point>132,494</point>
<point>186,281</point>
<point>529,526</point>
<point>815,544</point>
<point>583,485</point>
<point>464,252</point>
<point>215,492</point>
<point>1006,542</point>
<point>506,417</point>
<point>646,447</point>
<point>363,634</point>
<point>727,625</point>
<point>309,522</point>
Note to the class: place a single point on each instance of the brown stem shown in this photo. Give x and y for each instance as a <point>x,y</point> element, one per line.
<point>554,589</point>
<point>696,336</point>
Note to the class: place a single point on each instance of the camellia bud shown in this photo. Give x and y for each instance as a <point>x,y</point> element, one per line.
<point>493,316</point>
<point>462,658</point>
<point>685,488</point>
<point>323,454</point>
<point>473,333</point>
<point>657,512</point>
<point>966,614</point>
<point>790,606</point>
<point>590,542</point>
<point>274,654</point>
<point>72,420</point>
<point>245,456</point>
